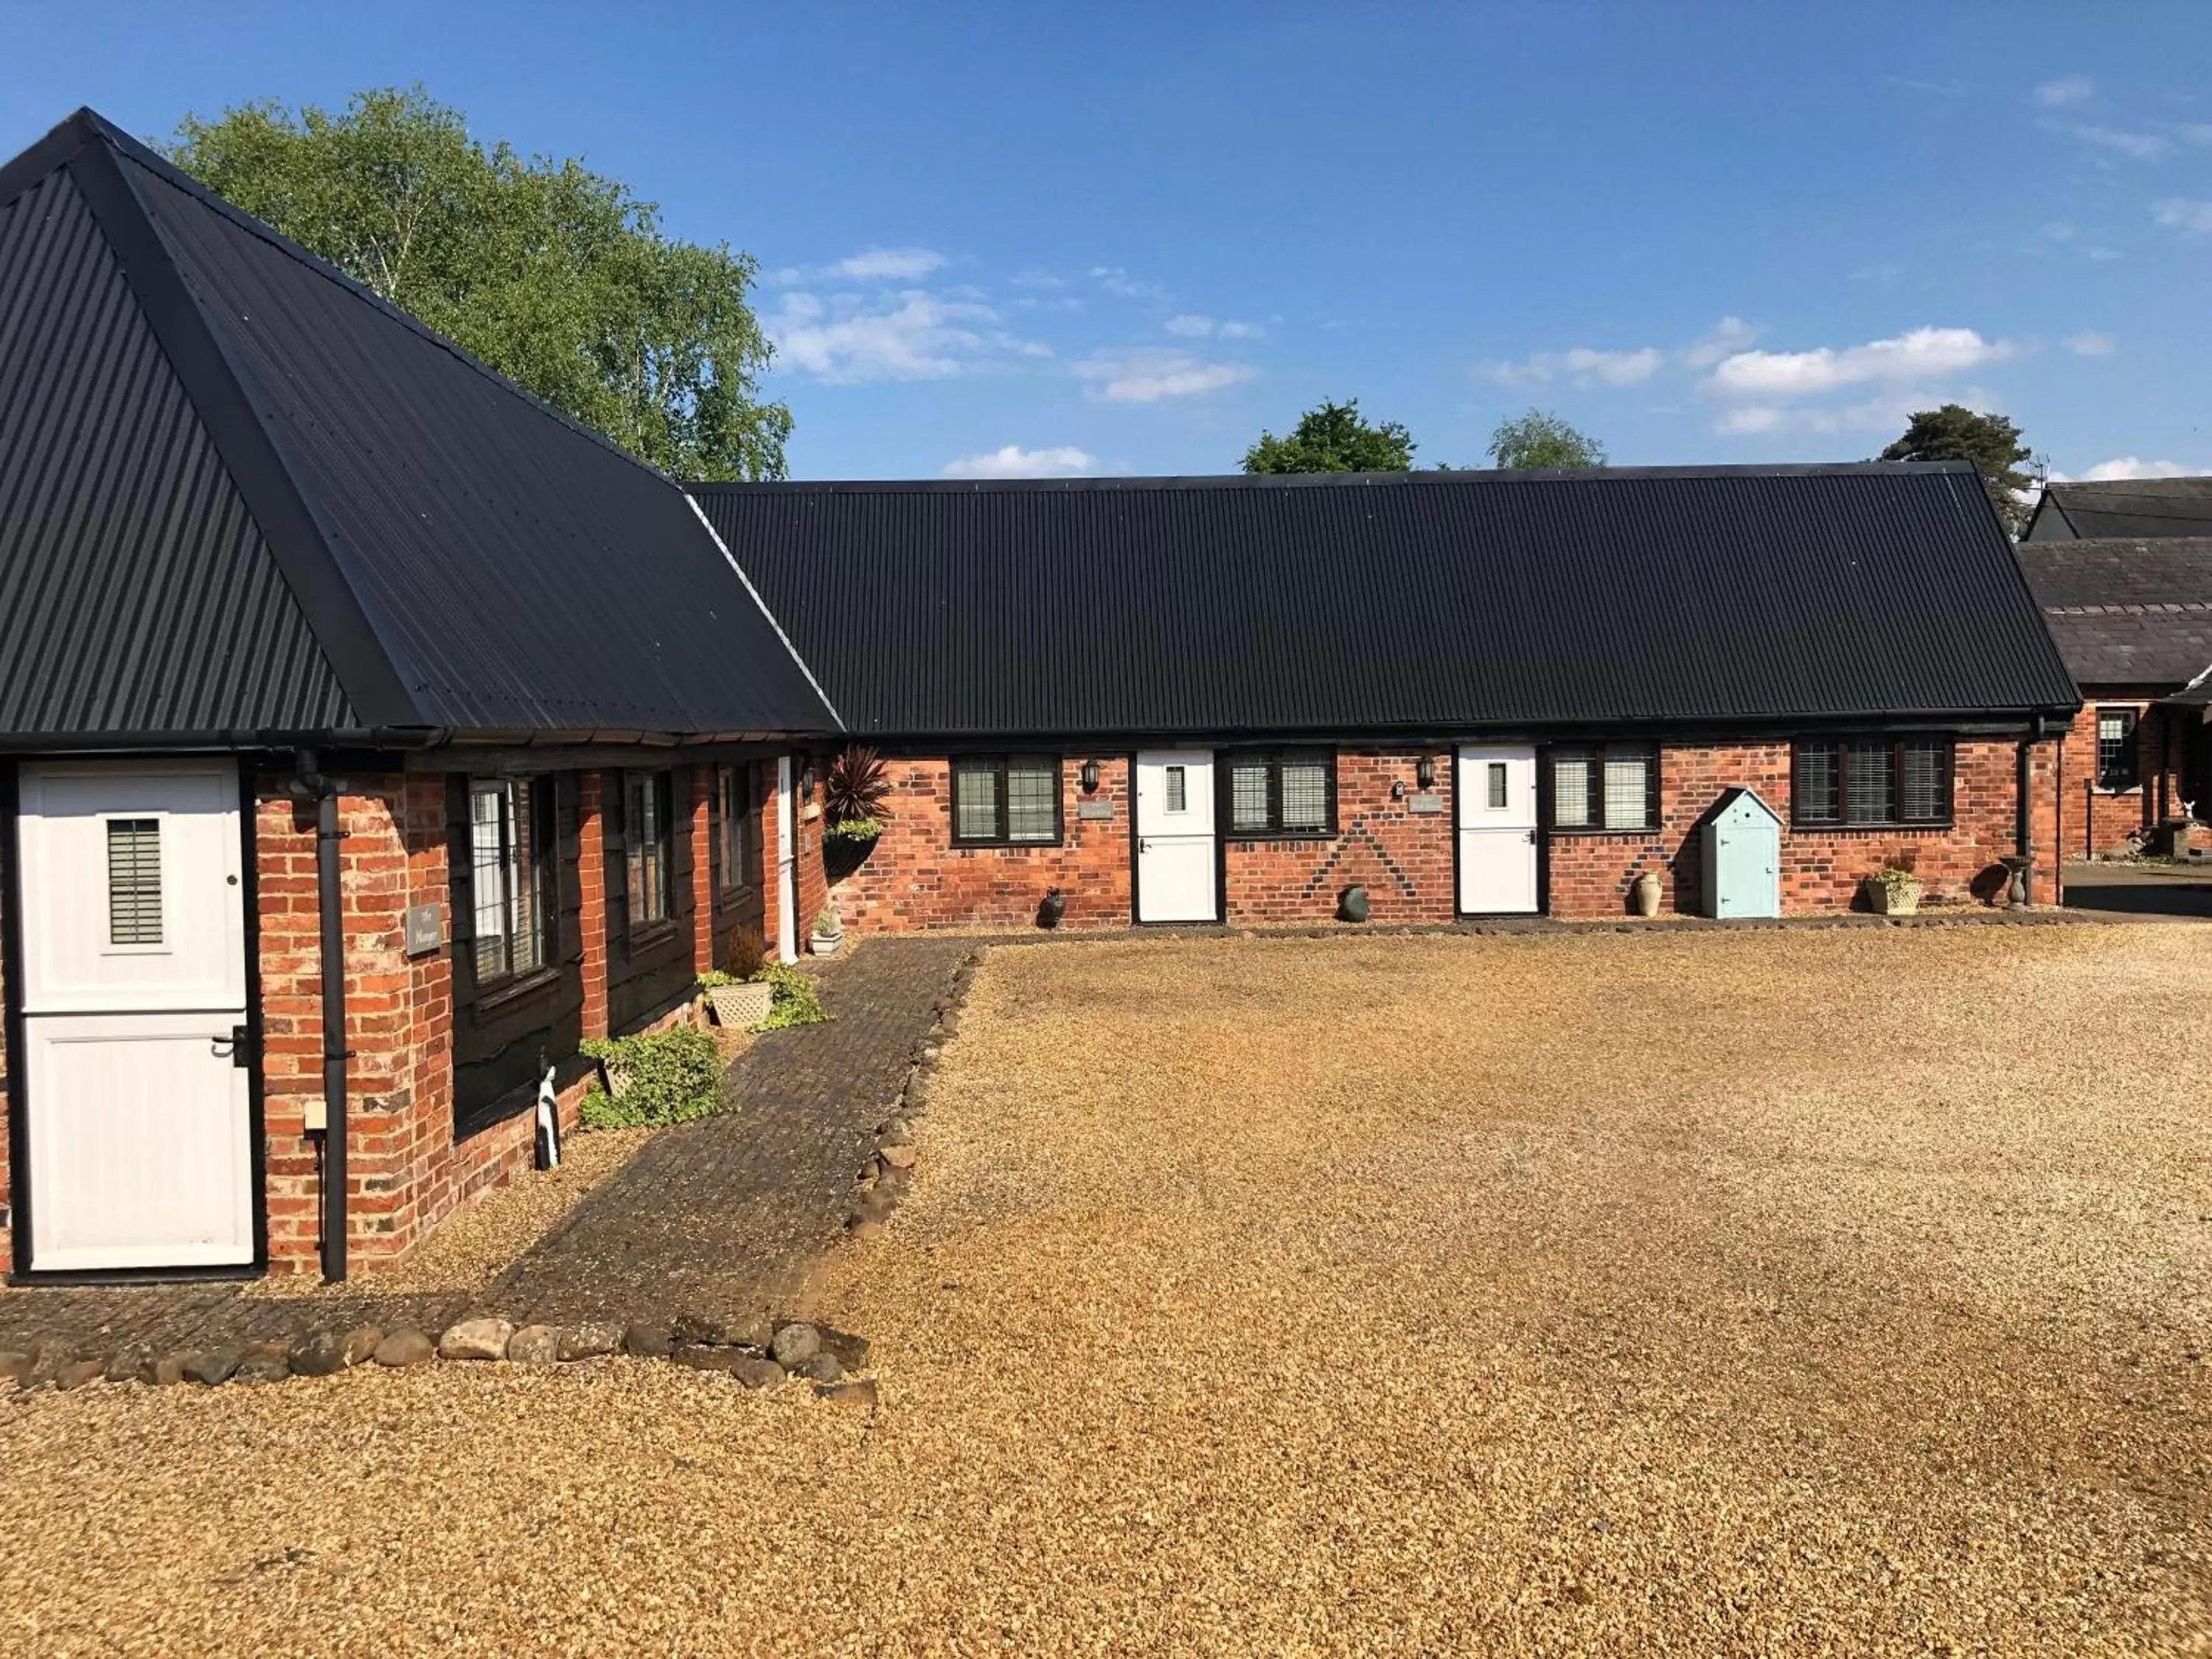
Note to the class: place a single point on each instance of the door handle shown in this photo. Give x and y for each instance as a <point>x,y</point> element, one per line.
<point>1144,847</point>
<point>242,1046</point>
<point>1531,838</point>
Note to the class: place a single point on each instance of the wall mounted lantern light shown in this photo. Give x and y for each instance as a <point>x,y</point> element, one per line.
<point>1424,772</point>
<point>1089,776</point>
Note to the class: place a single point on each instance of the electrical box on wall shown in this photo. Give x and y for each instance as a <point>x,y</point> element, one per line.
<point>314,1116</point>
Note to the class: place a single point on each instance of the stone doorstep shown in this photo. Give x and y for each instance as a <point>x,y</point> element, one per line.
<point>755,1351</point>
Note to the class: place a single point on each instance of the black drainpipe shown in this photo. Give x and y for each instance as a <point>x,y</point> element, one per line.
<point>330,948</point>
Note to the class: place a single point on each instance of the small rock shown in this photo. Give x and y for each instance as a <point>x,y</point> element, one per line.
<point>534,1345</point>
<point>168,1371</point>
<point>646,1341</point>
<point>263,1362</point>
<point>819,1368</point>
<point>476,1339</point>
<point>794,1344</point>
<point>403,1347</point>
<point>358,1343</point>
<point>876,1203</point>
<point>215,1366</point>
<point>78,1373</point>
<point>852,1352</point>
<point>860,1395</point>
<point>930,1054</point>
<point>950,1024</point>
<point>700,1357</point>
<point>320,1353</point>
<point>895,1131</point>
<point>899,1158</point>
<point>755,1372</point>
<point>15,1366</point>
<point>860,1228</point>
<point>722,1330</point>
<point>129,1363</point>
<point>587,1341</point>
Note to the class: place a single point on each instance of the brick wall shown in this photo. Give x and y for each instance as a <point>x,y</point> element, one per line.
<point>916,878</point>
<point>2103,820</point>
<point>1403,858</point>
<point>7,1192</point>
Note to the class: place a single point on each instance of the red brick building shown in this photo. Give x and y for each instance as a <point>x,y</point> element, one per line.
<point>373,736</point>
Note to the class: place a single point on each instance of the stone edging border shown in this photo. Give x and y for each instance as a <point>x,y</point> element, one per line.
<point>754,1351</point>
<point>884,1179</point>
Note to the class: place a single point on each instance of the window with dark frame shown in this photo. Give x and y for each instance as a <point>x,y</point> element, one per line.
<point>134,881</point>
<point>648,846</point>
<point>512,864</point>
<point>1282,792</point>
<point>736,830</point>
<point>2116,749</point>
<point>1605,787</point>
<point>1872,782</point>
<point>1006,800</point>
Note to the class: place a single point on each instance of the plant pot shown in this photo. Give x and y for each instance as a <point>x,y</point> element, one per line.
<point>741,1006</point>
<point>826,944</point>
<point>1051,908</point>
<point>1892,899</point>
<point>1644,893</point>
<point>618,1077</point>
<point>1352,904</point>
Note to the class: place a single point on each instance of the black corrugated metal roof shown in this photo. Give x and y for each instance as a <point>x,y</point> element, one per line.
<point>465,557</point>
<point>1411,600</point>
<point>2126,610</point>
<point>2123,507</point>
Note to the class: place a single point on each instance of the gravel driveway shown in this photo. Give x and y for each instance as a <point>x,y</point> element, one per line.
<point>1725,1292</point>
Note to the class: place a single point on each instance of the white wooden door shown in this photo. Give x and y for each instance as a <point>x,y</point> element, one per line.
<point>1175,836</point>
<point>1497,796</point>
<point>138,1111</point>
<point>786,861</point>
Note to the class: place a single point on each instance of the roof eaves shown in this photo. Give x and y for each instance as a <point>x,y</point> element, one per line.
<point>230,406</point>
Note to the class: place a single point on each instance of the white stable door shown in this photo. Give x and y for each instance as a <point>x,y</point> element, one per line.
<point>786,862</point>
<point>138,1111</point>
<point>1175,836</point>
<point>1497,796</point>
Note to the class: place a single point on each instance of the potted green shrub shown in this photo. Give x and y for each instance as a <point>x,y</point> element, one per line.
<point>1893,891</point>
<point>855,796</point>
<point>740,1004</point>
<point>828,934</point>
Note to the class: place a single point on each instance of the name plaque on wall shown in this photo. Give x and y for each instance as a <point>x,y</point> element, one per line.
<point>425,928</point>
<point>1425,803</point>
<point>1094,809</point>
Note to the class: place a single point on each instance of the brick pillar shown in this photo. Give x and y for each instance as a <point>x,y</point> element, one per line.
<point>703,869</point>
<point>591,896</point>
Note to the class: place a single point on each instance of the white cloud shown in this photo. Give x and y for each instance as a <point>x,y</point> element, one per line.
<point>1726,337</point>
<point>1193,327</point>
<point>2066,89</point>
<point>912,336</point>
<point>2142,146</point>
<point>1147,375</point>
<point>2127,466</point>
<point>1583,364</point>
<point>1751,417</point>
<point>890,264</point>
<point>2089,344</point>
<point>1012,461</point>
<point>1920,353</point>
<point>1115,280</point>
<point>2182,214</point>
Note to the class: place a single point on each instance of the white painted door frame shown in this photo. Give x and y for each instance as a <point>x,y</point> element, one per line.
<point>1495,794</point>
<point>786,861</point>
<point>1177,871</point>
<point>138,1107</point>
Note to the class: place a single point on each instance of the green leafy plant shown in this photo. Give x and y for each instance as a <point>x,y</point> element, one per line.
<point>671,1077</point>
<point>794,1000</point>
<point>828,923</point>
<point>856,793</point>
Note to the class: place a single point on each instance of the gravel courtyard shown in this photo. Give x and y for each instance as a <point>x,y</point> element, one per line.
<point>1706,1293</point>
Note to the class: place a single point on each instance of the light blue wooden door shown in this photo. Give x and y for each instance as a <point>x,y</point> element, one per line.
<point>1747,860</point>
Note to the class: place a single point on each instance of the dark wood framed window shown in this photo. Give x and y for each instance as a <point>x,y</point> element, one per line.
<point>648,847</point>
<point>1605,787</point>
<point>1006,800</point>
<point>2116,749</point>
<point>513,863</point>
<point>1877,782</point>
<point>736,837</point>
<point>1282,793</point>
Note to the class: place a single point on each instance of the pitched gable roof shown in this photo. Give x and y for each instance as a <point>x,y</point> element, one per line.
<point>2128,506</point>
<point>2126,611</point>
<point>1411,600</point>
<point>459,555</point>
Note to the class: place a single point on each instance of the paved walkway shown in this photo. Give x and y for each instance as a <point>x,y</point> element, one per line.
<point>2140,890</point>
<point>725,1214</point>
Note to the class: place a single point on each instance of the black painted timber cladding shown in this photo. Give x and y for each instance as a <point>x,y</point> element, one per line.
<point>466,558</point>
<point>135,593</point>
<point>1421,600</point>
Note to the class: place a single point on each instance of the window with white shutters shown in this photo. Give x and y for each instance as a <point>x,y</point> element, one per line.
<point>1609,787</point>
<point>1282,792</point>
<point>134,881</point>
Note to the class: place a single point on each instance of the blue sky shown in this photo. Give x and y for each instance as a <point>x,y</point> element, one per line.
<point>1127,238</point>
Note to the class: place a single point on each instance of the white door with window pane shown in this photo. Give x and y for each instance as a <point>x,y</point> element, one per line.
<point>138,1107</point>
<point>1497,795</point>
<point>786,862</point>
<point>1176,864</point>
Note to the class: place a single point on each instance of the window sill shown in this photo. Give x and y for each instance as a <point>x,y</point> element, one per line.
<point>1595,832</point>
<point>650,936</point>
<point>731,896</point>
<point>959,845</point>
<point>2124,789</point>
<point>1925,826</point>
<point>501,992</point>
<point>1279,834</point>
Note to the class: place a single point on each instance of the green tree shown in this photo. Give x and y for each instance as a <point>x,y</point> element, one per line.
<point>1541,438</point>
<point>1992,443</point>
<point>559,278</point>
<point>1334,438</point>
